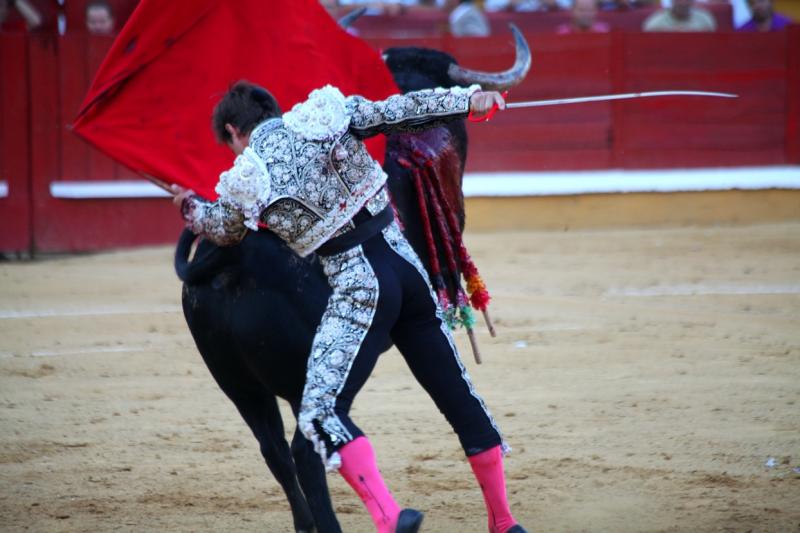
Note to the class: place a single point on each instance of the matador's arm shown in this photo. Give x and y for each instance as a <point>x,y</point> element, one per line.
<point>243,193</point>
<point>217,221</point>
<point>412,111</point>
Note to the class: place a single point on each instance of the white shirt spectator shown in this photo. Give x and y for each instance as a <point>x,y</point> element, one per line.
<point>407,3</point>
<point>467,20</point>
<point>741,13</point>
<point>525,5</point>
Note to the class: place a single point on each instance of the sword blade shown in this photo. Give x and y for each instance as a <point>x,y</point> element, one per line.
<point>624,96</point>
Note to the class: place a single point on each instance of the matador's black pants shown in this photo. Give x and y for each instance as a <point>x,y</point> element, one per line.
<point>381,294</point>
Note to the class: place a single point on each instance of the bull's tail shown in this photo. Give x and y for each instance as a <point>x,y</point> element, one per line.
<point>207,262</point>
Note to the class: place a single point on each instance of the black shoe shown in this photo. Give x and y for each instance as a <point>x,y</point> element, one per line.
<point>516,529</point>
<point>409,521</point>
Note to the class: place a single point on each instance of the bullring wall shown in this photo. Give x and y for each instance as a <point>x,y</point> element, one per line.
<point>58,194</point>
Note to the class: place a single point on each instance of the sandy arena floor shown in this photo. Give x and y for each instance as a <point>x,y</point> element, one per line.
<point>647,380</point>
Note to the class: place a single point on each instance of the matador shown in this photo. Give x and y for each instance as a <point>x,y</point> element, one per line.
<point>308,177</point>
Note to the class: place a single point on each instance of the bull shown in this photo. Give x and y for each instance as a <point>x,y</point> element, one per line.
<point>243,303</point>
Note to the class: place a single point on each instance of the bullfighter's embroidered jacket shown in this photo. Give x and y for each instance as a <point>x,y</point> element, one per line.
<point>306,174</point>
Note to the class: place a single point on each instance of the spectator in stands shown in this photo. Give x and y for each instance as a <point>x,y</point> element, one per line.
<point>611,5</point>
<point>584,15</point>
<point>764,17</point>
<point>682,16</point>
<point>526,5</point>
<point>99,18</point>
<point>469,20</point>
<point>385,7</point>
<point>31,18</point>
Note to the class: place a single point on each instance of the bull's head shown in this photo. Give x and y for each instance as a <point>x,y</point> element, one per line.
<point>497,81</point>
<point>422,68</point>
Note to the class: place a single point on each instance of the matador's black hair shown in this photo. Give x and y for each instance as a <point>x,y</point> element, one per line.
<point>244,106</point>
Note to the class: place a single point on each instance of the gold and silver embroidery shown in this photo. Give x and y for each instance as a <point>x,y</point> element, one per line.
<point>341,331</point>
<point>322,117</point>
<point>318,172</point>
<point>246,187</point>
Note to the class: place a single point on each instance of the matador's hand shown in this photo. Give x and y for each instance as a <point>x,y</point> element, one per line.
<point>181,194</point>
<point>482,102</point>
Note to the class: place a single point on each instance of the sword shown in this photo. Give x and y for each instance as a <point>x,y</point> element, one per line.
<point>600,98</point>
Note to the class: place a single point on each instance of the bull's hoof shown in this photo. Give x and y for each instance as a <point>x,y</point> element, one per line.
<point>516,529</point>
<point>409,521</point>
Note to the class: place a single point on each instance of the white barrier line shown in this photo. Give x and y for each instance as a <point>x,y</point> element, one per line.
<point>86,190</point>
<point>76,351</point>
<point>522,183</point>
<point>703,290</point>
<point>87,350</point>
<point>500,184</point>
<point>47,313</point>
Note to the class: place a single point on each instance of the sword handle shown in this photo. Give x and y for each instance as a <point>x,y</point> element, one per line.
<point>489,114</point>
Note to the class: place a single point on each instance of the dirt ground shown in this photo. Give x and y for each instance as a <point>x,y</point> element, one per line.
<point>648,380</point>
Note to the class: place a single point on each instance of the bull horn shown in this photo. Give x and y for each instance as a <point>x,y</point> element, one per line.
<point>347,20</point>
<point>497,81</point>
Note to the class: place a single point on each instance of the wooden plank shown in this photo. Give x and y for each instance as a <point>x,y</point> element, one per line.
<point>46,124</point>
<point>15,209</point>
<point>698,52</point>
<point>703,157</point>
<point>793,95</point>
<point>703,131</point>
<point>74,81</point>
<point>676,136</point>
<point>618,72</point>
<point>509,137</point>
<point>63,225</point>
<point>535,160</point>
<point>101,166</point>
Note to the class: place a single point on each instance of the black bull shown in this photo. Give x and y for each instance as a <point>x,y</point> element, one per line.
<point>253,308</point>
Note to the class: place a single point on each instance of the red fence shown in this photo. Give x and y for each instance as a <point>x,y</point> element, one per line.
<point>15,156</point>
<point>44,78</point>
<point>49,87</point>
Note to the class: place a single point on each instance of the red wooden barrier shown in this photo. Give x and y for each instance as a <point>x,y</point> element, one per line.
<point>59,81</point>
<point>15,223</point>
<point>560,137</point>
<point>657,133</point>
<point>793,100</point>
<point>698,132</point>
<point>762,127</point>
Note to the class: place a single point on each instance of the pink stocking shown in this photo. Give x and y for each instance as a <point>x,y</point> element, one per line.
<point>360,471</point>
<point>488,469</point>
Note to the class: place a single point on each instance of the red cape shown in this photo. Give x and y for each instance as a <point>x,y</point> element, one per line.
<point>149,106</point>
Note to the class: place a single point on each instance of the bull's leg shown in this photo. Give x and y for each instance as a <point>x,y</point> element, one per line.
<point>264,418</point>
<point>311,474</point>
<point>259,409</point>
